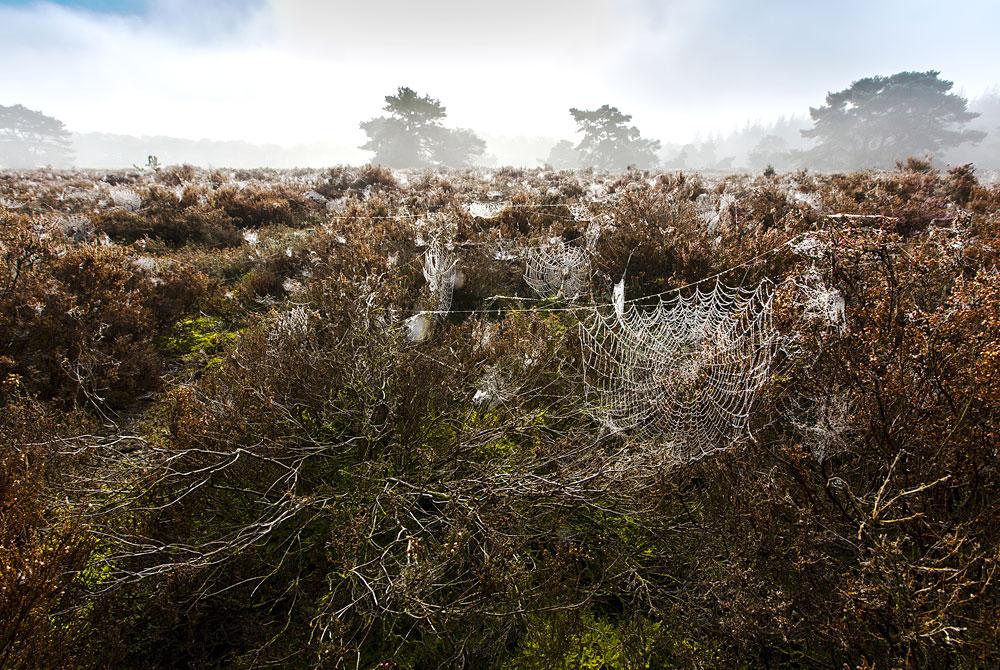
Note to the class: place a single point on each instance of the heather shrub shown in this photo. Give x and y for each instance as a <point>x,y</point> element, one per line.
<point>255,206</point>
<point>79,322</point>
<point>176,227</point>
<point>341,181</point>
<point>323,474</point>
<point>46,560</point>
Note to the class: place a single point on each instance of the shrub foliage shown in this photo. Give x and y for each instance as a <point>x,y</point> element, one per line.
<point>222,445</point>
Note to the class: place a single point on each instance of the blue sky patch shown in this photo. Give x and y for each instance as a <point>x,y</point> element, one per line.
<point>115,6</point>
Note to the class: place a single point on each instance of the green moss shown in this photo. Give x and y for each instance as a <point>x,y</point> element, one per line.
<point>97,571</point>
<point>587,642</point>
<point>199,338</point>
<point>483,420</point>
<point>559,323</point>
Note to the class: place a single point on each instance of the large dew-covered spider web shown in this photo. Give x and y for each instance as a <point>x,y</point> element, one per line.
<point>684,373</point>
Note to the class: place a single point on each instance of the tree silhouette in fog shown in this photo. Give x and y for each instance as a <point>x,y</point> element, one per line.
<point>563,156</point>
<point>413,136</point>
<point>879,120</point>
<point>457,147</point>
<point>609,143</point>
<point>772,150</point>
<point>31,139</point>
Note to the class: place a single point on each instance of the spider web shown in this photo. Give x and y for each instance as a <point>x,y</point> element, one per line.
<point>485,209</point>
<point>440,272</point>
<point>126,198</point>
<point>683,373</point>
<point>555,269</point>
<point>819,302</point>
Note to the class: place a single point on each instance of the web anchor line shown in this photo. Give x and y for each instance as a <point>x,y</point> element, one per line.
<point>586,307</point>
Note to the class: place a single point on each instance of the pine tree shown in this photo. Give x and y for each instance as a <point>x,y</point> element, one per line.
<point>30,139</point>
<point>879,120</point>
<point>609,143</point>
<point>413,136</point>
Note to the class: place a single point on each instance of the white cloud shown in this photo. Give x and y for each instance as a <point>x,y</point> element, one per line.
<point>451,28</point>
<point>292,71</point>
<point>273,75</point>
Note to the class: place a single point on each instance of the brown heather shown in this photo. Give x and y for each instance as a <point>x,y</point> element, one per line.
<point>219,449</point>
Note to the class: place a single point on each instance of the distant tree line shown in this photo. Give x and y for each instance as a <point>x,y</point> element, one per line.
<point>873,123</point>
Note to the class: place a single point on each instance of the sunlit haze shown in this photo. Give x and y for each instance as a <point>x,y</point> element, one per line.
<point>292,72</point>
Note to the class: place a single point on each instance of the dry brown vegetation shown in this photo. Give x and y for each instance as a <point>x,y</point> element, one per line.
<point>219,447</point>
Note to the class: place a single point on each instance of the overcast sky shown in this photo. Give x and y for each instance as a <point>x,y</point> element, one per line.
<point>295,71</point>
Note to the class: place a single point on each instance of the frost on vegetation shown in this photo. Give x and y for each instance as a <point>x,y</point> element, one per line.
<point>555,269</point>
<point>251,237</point>
<point>8,203</point>
<point>126,198</point>
<point>820,302</point>
<point>810,246</point>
